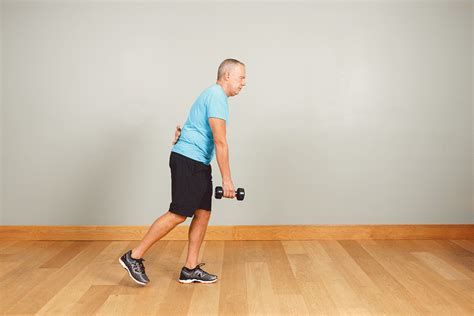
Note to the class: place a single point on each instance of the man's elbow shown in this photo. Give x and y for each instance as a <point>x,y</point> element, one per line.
<point>220,142</point>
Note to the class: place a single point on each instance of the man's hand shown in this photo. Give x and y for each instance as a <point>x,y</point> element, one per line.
<point>177,133</point>
<point>228,188</point>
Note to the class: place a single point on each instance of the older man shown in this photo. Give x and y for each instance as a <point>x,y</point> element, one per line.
<point>191,176</point>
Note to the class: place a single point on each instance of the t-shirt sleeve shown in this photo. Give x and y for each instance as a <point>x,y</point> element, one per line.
<point>217,106</point>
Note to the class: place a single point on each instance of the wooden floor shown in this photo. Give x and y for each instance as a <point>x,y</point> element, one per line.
<point>363,277</point>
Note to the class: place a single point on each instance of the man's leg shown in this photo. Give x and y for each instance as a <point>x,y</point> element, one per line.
<point>196,234</point>
<point>162,226</point>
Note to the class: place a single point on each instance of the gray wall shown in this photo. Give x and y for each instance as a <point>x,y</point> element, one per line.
<point>354,112</point>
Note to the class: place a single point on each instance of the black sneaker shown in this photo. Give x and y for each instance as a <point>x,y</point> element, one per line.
<point>135,268</point>
<point>196,275</point>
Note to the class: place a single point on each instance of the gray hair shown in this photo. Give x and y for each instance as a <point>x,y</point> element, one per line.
<point>226,66</point>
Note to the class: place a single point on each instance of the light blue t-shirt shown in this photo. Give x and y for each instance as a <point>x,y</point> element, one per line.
<point>196,140</point>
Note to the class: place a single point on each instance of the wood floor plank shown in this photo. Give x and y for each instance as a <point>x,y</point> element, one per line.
<point>338,287</point>
<point>311,277</point>
<point>396,296</point>
<point>7,266</point>
<point>260,297</point>
<point>20,280</point>
<point>41,293</point>
<point>457,256</point>
<point>23,288</point>
<point>205,298</point>
<point>366,290</point>
<point>466,287</point>
<point>415,277</point>
<point>65,255</point>
<point>5,244</point>
<point>178,296</point>
<point>29,255</point>
<point>460,302</point>
<point>100,271</point>
<point>283,280</point>
<point>330,282</point>
<point>313,290</point>
<point>454,249</point>
<point>399,263</point>
<point>253,252</point>
<point>461,259</point>
<point>291,304</point>
<point>466,244</point>
<point>117,304</point>
<point>440,266</point>
<point>293,247</point>
<point>161,263</point>
<point>92,300</point>
<point>233,296</point>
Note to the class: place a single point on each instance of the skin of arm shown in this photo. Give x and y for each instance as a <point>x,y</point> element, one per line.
<point>218,128</point>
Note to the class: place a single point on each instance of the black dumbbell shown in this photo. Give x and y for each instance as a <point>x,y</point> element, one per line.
<point>240,193</point>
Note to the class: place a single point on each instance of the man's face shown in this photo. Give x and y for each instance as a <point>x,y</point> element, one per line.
<point>236,79</point>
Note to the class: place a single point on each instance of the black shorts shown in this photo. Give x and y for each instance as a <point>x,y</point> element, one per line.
<point>191,185</point>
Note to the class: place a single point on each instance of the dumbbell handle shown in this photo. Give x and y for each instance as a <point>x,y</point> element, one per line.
<point>240,193</point>
<point>234,191</point>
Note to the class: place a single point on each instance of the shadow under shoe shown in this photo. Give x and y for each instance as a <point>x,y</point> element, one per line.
<point>135,268</point>
<point>196,275</point>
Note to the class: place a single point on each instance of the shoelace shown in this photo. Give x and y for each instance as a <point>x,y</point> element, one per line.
<point>137,263</point>
<point>200,271</point>
<point>199,265</point>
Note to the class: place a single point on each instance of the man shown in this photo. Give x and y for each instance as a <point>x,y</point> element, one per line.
<point>191,180</point>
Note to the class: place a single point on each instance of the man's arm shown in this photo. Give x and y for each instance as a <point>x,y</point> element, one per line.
<point>222,154</point>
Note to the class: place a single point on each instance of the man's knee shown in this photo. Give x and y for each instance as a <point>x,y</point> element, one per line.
<point>202,215</point>
<point>177,218</point>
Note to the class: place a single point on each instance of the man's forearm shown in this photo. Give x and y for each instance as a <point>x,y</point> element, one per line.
<point>222,155</point>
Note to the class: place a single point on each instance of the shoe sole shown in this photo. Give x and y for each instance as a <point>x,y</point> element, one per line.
<point>126,268</point>
<point>196,280</point>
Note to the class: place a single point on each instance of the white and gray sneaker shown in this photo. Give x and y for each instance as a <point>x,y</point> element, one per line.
<point>134,267</point>
<point>196,275</point>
